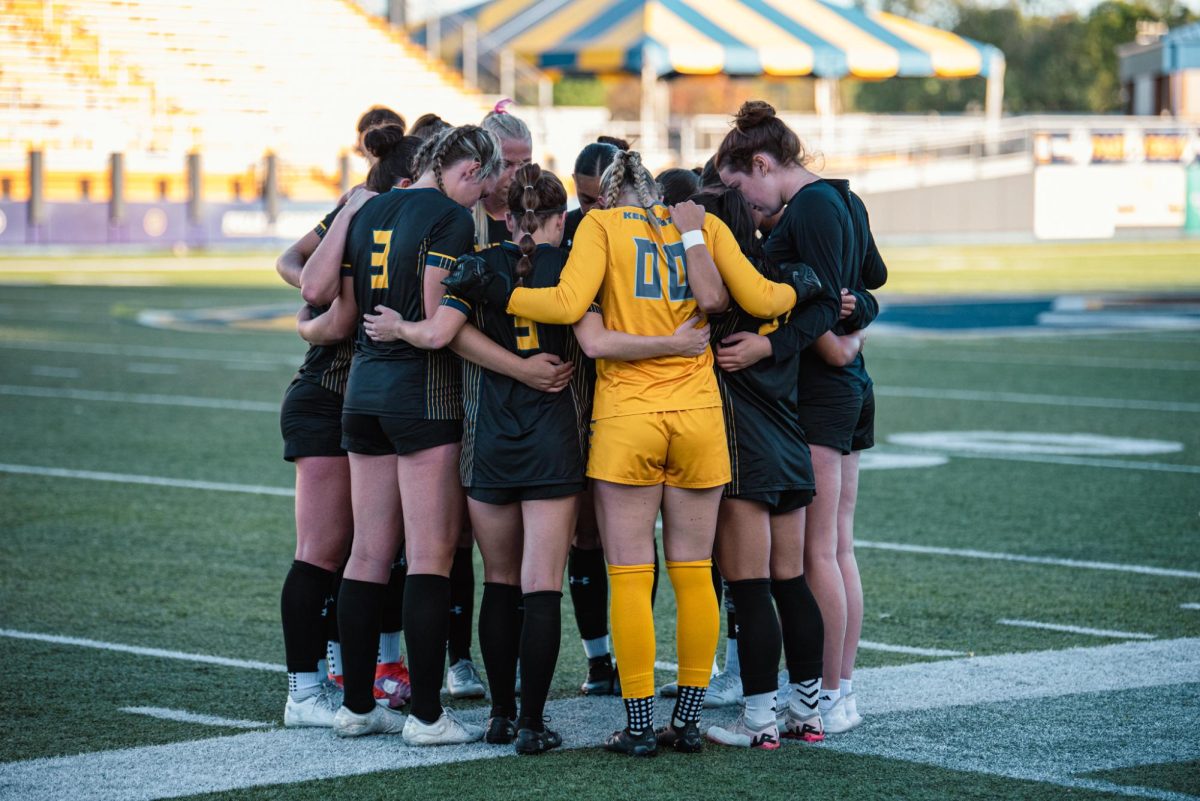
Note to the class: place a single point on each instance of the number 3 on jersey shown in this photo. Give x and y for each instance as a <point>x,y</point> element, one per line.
<point>379,259</point>
<point>649,279</point>
<point>527,333</point>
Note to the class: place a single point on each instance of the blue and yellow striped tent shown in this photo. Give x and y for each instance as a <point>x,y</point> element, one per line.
<point>707,37</point>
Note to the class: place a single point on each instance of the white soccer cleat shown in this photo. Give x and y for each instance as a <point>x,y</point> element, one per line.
<point>725,689</point>
<point>794,726</point>
<point>850,702</point>
<point>741,735</point>
<point>463,680</point>
<point>834,720</point>
<point>380,720</point>
<point>316,710</point>
<point>446,730</point>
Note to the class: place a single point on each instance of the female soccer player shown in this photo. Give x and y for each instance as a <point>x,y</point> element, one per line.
<point>311,425</point>
<point>402,418</point>
<point>656,422</point>
<point>824,225</point>
<point>516,147</point>
<point>590,164</point>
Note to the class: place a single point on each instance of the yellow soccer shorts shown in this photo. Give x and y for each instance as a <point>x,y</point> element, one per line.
<point>685,449</point>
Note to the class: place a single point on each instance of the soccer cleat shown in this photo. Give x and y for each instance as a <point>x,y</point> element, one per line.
<point>739,733</point>
<point>850,702</point>
<point>463,681</point>
<point>500,730</point>
<point>834,720</point>
<point>379,720</point>
<point>725,689</point>
<point>529,741</point>
<point>392,686</point>
<point>686,739</point>
<point>600,676</point>
<point>630,744</point>
<point>316,710</point>
<point>446,730</point>
<point>670,690</point>
<point>794,727</point>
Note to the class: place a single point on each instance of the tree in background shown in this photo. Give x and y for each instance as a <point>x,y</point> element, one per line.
<point>1057,62</point>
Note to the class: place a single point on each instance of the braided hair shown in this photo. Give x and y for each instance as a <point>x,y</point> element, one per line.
<point>627,172</point>
<point>534,197</point>
<point>455,145</point>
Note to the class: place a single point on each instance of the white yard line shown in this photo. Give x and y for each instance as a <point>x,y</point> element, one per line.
<point>970,553</point>
<point>148,368</point>
<point>1192,607</point>
<point>139,650</point>
<point>1075,461</point>
<point>906,649</point>
<point>1073,401</point>
<point>1033,624</point>
<point>670,667</point>
<point>183,716</point>
<point>139,398</point>
<point>46,371</point>
<point>284,756</point>
<point>892,350</point>
<point>154,481</point>
<point>156,352</point>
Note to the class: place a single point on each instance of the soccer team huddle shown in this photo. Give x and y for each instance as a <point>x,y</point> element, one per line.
<point>488,369</point>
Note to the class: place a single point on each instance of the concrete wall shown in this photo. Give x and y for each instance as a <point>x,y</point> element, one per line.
<point>991,206</point>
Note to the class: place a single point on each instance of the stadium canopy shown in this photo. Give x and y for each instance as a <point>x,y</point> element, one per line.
<point>665,38</point>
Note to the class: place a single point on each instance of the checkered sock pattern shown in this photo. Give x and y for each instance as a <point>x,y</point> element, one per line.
<point>640,712</point>
<point>688,705</point>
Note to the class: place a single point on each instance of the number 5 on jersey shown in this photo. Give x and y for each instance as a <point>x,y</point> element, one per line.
<point>379,259</point>
<point>649,280</point>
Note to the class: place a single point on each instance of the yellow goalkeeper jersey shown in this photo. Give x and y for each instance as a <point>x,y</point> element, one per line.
<point>639,276</point>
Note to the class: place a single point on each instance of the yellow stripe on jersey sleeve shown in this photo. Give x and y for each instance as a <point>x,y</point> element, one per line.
<point>439,260</point>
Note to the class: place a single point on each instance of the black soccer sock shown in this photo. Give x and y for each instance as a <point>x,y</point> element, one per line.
<point>718,583</point>
<point>333,638</point>
<point>499,641</point>
<point>426,618</point>
<point>359,611</point>
<point>803,628</point>
<point>654,586</point>
<point>540,635</point>
<point>688,705</point>
<point>587,577</point>
<point>301,608</point>
<point>393,599</point>
<point>462,604</point>
<point>759,642</point>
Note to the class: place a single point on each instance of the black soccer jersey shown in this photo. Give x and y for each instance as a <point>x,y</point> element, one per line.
<point>497,233</point>
<point>514,435</point>
<point>574,217</point>
<point>767,448</point>
<point>825,226</point>
<point>393,239</point>
<point>327,365</point>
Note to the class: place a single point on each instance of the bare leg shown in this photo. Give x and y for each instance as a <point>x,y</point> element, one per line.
<point>377,518</point>
<point>324,519</point>
<point>848,565</point>
<point>820,559</point>
<point>433,508</point>
<point>549,525</point>
<point>743,544</point>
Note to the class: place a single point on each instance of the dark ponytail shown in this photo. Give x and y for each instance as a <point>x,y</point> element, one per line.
<point>756,130</point>
<point>394,152</point>
<point>534,197</point>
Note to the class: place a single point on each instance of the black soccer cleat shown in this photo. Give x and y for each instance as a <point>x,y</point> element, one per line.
<point>685,739</point>
<point>600,676</point>
<point>500,730</point>
<point>638,745</point>
<point>529,741</point>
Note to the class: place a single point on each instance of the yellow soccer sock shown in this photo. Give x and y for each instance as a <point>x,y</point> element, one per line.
<point>697,622</point>
<point>632,622</point>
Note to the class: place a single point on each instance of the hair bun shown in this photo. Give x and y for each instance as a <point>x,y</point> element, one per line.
<point>383,140</point>
<point>753,113</point>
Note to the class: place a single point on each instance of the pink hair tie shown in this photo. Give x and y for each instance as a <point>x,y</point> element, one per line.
<point>502,106</point>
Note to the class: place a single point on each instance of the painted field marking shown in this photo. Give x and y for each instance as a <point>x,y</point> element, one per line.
<point>250,367</point>
<point>971,553</point>
<point>1073,401</point>
<point>148,368</point>
<point>1033,624</point>
<point>154,481</point>
<point>1033,442</point>
<point>288,756</point>
<point>183,716</point>
<point>155,352</point>
<point>142,651</point>
<point>906,649</point>
<point>139,398</point>
<point>906,354</point>
<point>45,371</point>
<point>1086,461</point>
<point>670,667</point>
<point>1190,606</point>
